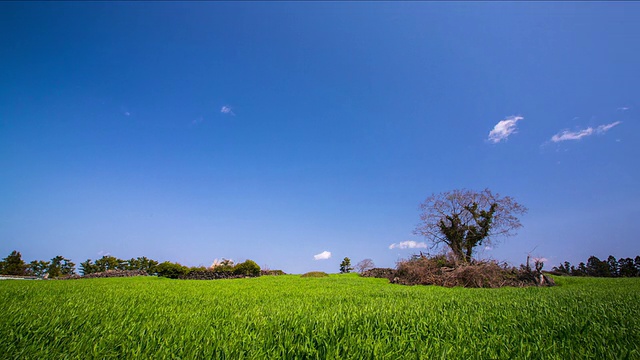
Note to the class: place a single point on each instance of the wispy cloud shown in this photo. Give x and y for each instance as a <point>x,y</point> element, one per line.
<point>566,135</point>
<point>227,110</point>
<point>571,135</point>
<point>623,108</point>
<point>322,256</point>
<point>124,110</point>
<point>504,128</point>
<point>407,245</point>
<point>604,128</point>
<point>197,120</point>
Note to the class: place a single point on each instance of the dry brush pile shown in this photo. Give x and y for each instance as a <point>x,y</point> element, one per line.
<point>443,272</point>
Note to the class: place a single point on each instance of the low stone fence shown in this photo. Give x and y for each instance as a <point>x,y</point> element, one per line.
<point>107,274</point>
<point>385,273</point>
<point>16,277</point>
<point>210,275</point>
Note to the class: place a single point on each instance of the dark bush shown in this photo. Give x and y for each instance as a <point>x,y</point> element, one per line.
<point>247,268</point>
<point>171,270</point>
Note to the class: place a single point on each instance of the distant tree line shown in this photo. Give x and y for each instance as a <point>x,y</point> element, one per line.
<point>109,262</point>
<point>56,267</point>
<point>60,266</point>
<point>623,267</point>
<point>223,270</point>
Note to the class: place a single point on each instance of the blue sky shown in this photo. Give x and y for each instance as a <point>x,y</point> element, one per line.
<point>279,131</point>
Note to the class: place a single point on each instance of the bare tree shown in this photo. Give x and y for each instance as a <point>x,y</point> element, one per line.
<point>464,219</point>
<point>364,265</point>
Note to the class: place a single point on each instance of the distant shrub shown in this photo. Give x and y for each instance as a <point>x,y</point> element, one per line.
<point>171,270</point>
<point>315,274</point>
<point>272,272</point>
<point>247,268</point>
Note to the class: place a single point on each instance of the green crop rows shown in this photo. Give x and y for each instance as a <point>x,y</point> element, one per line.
<point>341,316</point>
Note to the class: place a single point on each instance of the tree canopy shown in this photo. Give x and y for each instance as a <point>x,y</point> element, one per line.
<point>464,219</point>
<point>13,264</point>
<point>345,266</point>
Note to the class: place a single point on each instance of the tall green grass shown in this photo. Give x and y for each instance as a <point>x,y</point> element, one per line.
<point>341,316</point>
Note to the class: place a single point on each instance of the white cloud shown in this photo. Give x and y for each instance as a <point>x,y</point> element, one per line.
<point>577,135</point>
<point>126,113</point>
<point>504,128</point>
<point>227,110</point>
<point>322,256</point>
<point>623,108</point>
<point>408,245</point>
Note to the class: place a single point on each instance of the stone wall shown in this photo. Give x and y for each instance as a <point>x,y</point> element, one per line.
<point>116,273</point>
<point>210,275</point>
<point>385,273</point>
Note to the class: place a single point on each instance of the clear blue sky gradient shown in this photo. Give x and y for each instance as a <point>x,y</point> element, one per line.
<point>343,118</point>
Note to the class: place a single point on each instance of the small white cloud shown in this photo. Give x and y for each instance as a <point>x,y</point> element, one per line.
<point>504,128</point>
<point>488,248</point>
<point>227,110</point>
<point>577,135</point>
<point>408,245</point>
<point>624,108</point>
<point>322,256</point>
<point>126,113</point>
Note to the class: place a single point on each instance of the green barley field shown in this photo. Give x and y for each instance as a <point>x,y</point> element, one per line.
<point>338,317</point>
